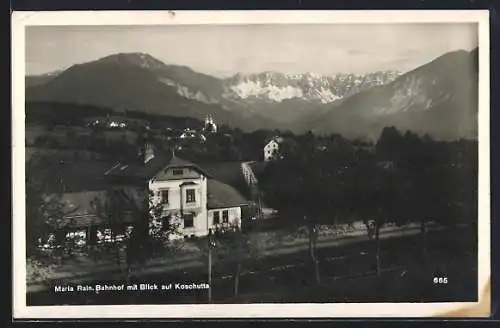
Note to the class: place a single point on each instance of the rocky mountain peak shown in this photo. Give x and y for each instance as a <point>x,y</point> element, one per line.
<point>140,59</point>
<point>309,86</point>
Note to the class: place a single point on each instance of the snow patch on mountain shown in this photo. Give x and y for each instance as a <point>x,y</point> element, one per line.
<point>277,87</point>
<point>414,93</point>
<point>326,95</point>
<point>251,88</point>
<point>187,93</point>
<point>141,60</point>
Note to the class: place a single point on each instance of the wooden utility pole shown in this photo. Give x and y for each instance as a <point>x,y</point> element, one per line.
<point>210,245</point>
<point>209,274</point>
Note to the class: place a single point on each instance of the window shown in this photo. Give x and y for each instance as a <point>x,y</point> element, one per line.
<point>188,220</point>
<point>225,216</point>
<point>177,172</point>
<point>164,196</point>
<point>216,217</point>
<point>190,196</point>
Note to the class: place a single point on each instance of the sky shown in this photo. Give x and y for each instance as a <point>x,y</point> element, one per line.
<point>224,50</point>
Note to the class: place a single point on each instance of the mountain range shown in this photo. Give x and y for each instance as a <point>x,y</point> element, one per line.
<point>438,98</point>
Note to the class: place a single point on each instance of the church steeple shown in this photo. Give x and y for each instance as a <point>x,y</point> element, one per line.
<point>210,125</point>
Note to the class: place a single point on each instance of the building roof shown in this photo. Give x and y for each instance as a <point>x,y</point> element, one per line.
<point>221,195</point>
<point>229,173</point>
<point>146,171</point>
<point>87,181</point>
<point>75,175</point>
<point>82,208</point>
<point>226,172</point>
<point>62,154</point>
<point>278,139</point>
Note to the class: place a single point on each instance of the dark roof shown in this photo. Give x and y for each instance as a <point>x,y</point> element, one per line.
<point>176,161</point>
<point>79,202</point>
<point>221,195</point>
<point>80,209</point>
<point>229,173</point>
<point>149,169</point>
<point>76,175</point>
<point>62,154</point>
<point>276,138</point>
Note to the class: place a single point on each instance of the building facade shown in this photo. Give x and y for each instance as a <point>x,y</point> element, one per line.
<point>181,191</point>
<point>271,149</point>
<point>194,201</point>
<point>183,194</point>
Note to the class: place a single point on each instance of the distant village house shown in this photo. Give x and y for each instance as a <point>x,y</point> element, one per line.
<point>272,148</point>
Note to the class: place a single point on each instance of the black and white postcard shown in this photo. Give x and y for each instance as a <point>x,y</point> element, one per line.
<point>273,164</point>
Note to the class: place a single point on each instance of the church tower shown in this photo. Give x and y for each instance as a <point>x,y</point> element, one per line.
<point>210,125</point>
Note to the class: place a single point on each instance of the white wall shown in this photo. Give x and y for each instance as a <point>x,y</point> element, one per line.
<point>270,150</point>
<point>174,206</point>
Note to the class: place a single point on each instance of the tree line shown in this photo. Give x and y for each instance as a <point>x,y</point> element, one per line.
<point>405,178</point>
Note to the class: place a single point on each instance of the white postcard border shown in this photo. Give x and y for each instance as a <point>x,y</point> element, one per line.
<point>22,19</point>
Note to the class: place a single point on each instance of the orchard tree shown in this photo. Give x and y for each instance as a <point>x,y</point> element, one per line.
<point>44,207</point>
<point>389,144</point>
<point>427,195</point>
<point>151,228</point>
<point>228,246</point>
<point>375,195</point>
<point>288,188</point>
<point>307,189</point>
<point>110,209</point>
<point>232,247</point>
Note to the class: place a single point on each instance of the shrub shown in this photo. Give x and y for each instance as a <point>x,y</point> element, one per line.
<point>36,271</point>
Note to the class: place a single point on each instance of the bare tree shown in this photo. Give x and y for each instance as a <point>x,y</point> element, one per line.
<point>110,209</point>
<point>228,246</point>
<point>151,228</point>
<point>45,210</point>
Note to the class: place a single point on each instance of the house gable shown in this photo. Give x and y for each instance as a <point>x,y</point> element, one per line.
<point>177,173</point>
<point>274,140</point>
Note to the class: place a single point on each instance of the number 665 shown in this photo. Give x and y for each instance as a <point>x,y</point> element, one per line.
<point>440,280</point>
